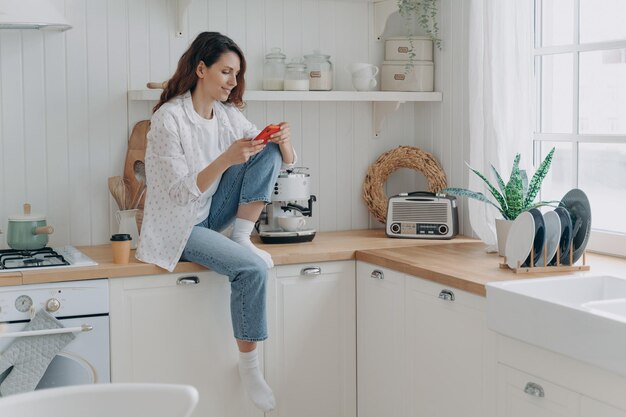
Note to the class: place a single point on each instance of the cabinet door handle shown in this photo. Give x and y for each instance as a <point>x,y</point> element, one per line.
<point>192,280</point>
<point>310,271</point>
<point>376,274</point>
<point>535,390</point>
<point>446,295</point>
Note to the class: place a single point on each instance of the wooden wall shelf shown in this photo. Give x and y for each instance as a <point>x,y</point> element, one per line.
<point>385,102</point>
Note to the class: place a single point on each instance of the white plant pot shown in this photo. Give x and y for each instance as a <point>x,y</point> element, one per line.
<point>502,232</point>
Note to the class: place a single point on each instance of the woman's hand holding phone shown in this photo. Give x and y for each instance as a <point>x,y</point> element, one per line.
<point>267,132</point>
<point>241,150</point>
<point>283,136</point>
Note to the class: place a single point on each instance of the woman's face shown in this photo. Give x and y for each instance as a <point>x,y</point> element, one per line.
<point>220,78</point>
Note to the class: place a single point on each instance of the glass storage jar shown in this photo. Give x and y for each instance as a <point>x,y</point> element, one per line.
<point>274,70</point>
<point>296,76</point>
<point>320,71</point>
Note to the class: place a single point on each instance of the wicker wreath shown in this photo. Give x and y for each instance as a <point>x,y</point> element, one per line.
<point>401,157</point>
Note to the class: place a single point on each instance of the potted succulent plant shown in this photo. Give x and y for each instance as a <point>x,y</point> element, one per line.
<point>425,13</point>
<point>512,198</point>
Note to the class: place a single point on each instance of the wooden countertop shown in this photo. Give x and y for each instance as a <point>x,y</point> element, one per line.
<point>467,266</point>
<point>337,246</point>
<point>329,246</point>
<point>461,262</point>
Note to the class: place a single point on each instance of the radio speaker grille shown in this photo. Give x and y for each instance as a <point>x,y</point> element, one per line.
<point>419,213</point>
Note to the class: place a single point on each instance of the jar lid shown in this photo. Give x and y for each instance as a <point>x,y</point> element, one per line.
<point>297,65</point>
<point>121,237</point>
<point>317,55</point>
<point>275,54</point>
<point>406,38</point>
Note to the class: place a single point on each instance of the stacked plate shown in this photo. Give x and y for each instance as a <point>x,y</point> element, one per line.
<point>549,237</point>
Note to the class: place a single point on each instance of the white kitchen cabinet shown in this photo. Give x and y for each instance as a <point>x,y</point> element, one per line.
<point>522,395</point>
<point>448,351</point>
<point>537,382</point>
<point>420,355</point>
<point>176,328</point>
<point>593,408</point>
<point>381,342</point>
<point>310,355</point>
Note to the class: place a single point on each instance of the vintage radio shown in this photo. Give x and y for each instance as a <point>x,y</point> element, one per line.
<point>422,215</point>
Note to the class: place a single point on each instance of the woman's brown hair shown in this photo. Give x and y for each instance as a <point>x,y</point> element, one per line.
<point>207,47</point>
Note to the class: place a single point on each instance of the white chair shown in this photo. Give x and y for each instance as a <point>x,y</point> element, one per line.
<point>103,400</point>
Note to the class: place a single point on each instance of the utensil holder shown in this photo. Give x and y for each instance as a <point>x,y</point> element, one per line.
<point>127,220</point>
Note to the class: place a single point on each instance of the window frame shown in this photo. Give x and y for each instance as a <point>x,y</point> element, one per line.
<point>600,241</point>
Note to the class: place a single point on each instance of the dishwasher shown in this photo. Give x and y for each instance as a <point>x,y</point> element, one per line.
<point>83,309</point>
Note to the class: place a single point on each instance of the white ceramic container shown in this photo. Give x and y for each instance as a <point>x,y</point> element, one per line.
<point>404,76</point>
<point>398,48</point>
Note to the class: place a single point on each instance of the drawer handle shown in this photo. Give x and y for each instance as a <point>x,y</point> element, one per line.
<point>535,390</point>
<point>193,280</point>
<point>376,274</point>
<point>446,295</point>
<point>313,270</point>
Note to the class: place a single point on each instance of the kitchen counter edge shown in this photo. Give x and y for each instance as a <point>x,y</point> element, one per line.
<point>460,262</point>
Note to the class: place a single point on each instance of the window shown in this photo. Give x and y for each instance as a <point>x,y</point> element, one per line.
<point>580,68</point>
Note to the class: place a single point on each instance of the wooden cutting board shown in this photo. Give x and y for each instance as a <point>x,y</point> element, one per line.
<point>135,160</point>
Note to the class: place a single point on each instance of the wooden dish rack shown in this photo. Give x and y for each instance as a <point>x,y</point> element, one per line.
<point>549,268</point>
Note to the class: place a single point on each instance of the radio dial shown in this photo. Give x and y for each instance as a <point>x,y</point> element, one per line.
<point>443,229</point>
<point>53,305</point>
<point>395,228</point>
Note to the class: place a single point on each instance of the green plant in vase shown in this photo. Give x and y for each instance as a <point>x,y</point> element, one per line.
<point>514,197</point>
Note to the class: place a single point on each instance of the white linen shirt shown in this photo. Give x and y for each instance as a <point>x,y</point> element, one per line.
<point>172,166</point>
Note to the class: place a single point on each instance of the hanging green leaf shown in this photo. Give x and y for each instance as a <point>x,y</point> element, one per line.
<point>425,13</point>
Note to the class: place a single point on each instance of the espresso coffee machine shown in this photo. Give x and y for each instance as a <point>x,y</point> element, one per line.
<point>291,192</point>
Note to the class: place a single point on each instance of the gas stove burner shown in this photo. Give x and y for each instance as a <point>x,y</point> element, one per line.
<point>12,260</point>
<point>23,259</point>
<point>26,252</point>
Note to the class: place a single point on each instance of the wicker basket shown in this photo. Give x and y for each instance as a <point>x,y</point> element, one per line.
<point>401,157</point>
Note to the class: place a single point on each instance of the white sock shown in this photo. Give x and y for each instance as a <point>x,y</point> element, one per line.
<point>259,392</point>
<point>241,234</point>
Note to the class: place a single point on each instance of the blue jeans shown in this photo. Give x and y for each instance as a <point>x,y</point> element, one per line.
<point>247,272</point>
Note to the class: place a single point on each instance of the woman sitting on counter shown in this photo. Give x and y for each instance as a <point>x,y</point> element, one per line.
<point>204,171</point>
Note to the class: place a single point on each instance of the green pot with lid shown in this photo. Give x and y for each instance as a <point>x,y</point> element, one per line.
<point>28,231</point>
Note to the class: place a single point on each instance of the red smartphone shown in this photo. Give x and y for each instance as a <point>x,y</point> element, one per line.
<point>267,132</point>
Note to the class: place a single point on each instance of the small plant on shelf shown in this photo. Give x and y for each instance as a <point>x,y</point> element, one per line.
<point>425,13</point>
<point>514,197</point>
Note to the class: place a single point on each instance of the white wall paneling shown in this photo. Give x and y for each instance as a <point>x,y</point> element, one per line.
<point>65,119</point>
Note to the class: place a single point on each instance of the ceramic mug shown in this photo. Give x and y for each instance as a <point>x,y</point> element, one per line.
<point>364,83</point>
<point>359,69</point>
<point>291,223</point>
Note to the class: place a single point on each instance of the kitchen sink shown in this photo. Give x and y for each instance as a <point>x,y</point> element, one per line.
<point>580,316</point>
<point>610,308</point>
